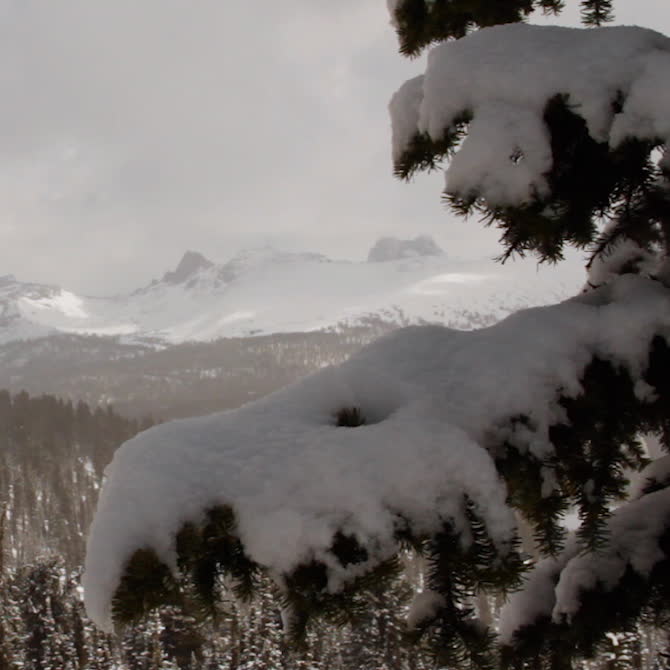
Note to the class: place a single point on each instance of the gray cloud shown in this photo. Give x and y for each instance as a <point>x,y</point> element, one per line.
<point>130,131</point>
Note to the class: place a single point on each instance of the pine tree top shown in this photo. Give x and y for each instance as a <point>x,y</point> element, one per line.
<point>420,23</point>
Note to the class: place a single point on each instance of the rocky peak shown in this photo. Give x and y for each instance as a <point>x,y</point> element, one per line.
<point>393,249</point>
<point>191,262</point>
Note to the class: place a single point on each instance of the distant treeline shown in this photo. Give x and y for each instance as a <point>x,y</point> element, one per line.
<point>175,381</point>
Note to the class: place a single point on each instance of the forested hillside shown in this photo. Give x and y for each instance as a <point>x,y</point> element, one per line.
<point>177,381</point>
<point>52,456</point>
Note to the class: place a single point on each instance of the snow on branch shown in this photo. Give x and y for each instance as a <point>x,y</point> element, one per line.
<point>552,117</point>
<point>576,597</point>
<point>615,78</point>
<point>439,415</point>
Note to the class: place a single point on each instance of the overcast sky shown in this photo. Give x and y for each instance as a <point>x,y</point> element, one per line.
<point>133,130</point>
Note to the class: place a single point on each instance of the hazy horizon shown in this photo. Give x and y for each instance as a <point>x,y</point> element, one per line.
<point>133,132</point>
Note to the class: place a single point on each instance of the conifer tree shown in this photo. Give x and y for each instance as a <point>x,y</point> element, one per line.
<point>557,137</point>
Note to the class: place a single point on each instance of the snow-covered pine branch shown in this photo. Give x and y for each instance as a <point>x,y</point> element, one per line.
<point>456,428</point>
<point>545,128</point>
<point>571,601</point>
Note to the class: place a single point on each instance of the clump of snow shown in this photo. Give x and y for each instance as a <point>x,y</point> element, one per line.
<point>555,586</point>
<point>405,110</point>
<point>645,113</point>
<point>393,249</point>
<point>656,474</point>
<point>489,77</point>
<point>433,399</point>
<point>536,599</point>
<point>424,608</point>
<point>634,532</point>
<point>622,256</point>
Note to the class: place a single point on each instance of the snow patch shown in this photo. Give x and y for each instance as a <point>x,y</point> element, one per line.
<point>64,302</point>
<point>436,285</point>
<point>424,608</point>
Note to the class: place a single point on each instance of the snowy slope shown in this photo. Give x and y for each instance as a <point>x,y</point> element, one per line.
<point>267,291</point>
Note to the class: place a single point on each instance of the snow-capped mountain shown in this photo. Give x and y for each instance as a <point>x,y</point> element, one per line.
<point>264,291</point>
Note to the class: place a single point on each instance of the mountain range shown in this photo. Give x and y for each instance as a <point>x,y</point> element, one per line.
<point>264,291</point>
<point>208,336</point>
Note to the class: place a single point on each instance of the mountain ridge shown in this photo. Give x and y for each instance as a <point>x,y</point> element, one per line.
<point>266,290</point>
